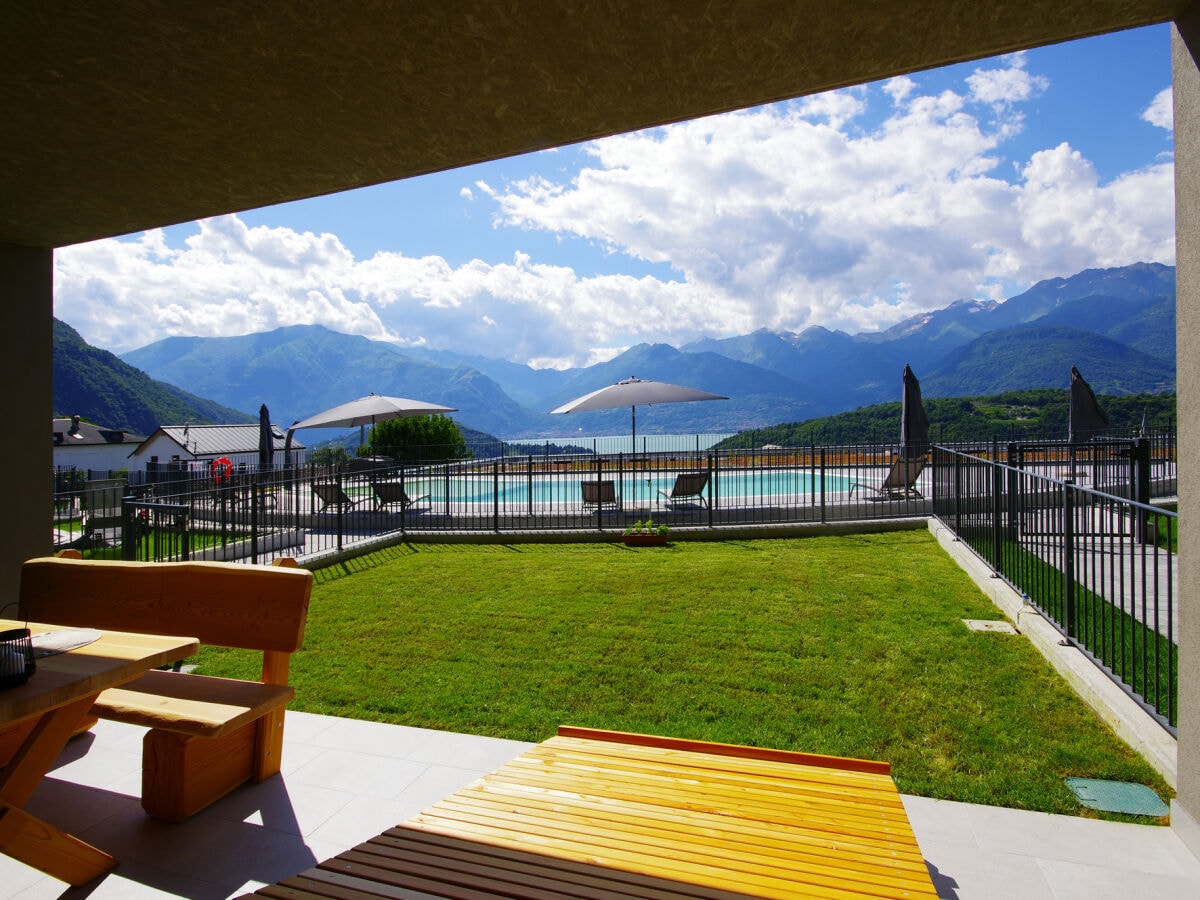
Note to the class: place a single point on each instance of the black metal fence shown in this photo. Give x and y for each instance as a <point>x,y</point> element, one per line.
<point>322,510</point>
<point>1059,525</point>
<point>1071,528</point>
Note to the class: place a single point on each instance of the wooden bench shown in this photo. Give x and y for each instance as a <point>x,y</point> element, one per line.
<point>207,735</point>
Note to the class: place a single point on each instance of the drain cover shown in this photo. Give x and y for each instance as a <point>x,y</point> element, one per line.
<point>1118,797</point>
<point>1000,627</point>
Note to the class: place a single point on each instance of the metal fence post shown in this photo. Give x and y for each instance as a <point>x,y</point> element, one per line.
<point>1069,559</point>
<point>822,488</point>
<point>337,478</point>
<point>997,509</point>
<point>496,495</point>
<point>711,482</point>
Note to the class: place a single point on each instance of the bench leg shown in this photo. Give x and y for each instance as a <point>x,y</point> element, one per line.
<point>183,774</point>
<point>268,749</point>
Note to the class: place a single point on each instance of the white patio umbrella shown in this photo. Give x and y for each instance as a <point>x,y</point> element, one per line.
<point>366,411</point>
<point>634,392</point>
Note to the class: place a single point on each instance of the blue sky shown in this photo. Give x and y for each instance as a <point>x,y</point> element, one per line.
<point>851,210</point>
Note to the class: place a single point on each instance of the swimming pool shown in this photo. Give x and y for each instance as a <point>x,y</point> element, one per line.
<point>731,486</point>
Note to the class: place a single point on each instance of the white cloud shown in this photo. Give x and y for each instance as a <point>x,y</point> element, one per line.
<point>1007,85</point>
<point>801,213</point>
<point>1161,112</point>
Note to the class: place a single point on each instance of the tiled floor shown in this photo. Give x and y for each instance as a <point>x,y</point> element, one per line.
<point>345,781</point>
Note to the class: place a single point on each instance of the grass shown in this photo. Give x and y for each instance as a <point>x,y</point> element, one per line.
<point>851,646</point>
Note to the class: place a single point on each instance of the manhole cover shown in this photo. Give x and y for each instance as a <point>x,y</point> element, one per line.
<point>1118,797</point>
<point>999,627</point>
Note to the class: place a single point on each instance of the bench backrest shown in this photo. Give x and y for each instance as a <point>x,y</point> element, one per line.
<point>221,604</point>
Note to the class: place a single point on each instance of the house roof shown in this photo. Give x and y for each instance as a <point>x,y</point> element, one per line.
<point>217,440</point>
<point>74,433</point>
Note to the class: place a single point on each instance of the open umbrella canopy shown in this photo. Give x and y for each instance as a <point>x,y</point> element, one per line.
<point>914,423</point>
<point>634,392</point>
<point>1086,418</point>
<point>368,410</point>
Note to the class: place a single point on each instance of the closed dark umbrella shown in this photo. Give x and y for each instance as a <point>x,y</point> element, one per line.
<point>266,440</point>
<point>914,423</point>
<point>1087,419</point>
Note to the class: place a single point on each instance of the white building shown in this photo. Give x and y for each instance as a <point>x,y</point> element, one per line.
<point>91,448</point>
<point>195,447</point>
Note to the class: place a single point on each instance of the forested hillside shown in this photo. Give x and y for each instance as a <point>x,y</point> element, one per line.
<point>1038,413</point>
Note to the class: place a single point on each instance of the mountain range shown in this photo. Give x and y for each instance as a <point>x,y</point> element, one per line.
<point>1116,325</point>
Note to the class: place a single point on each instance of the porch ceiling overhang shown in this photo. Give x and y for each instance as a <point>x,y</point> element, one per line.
<point>123,116</point>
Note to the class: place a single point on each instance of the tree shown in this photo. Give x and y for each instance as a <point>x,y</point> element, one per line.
<point>417,439</point>
<point>328,456</point>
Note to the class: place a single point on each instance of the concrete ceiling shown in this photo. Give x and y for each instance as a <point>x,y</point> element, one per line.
<point>120,116</point>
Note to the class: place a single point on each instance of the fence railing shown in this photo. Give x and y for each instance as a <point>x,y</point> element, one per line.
<point>1057,522</point>
<point>1060,527</point>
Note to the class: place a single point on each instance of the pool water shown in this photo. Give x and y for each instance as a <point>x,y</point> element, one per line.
<point>727,486</point>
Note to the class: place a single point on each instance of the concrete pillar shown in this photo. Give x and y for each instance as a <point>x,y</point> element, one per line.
<point>1185,811</point>
<point>26,372</point>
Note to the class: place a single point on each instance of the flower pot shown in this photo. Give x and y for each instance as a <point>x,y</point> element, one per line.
<point>644,539</point>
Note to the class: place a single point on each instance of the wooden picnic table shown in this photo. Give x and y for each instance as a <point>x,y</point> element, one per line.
<point>41,715</point>
<point>607,814</point>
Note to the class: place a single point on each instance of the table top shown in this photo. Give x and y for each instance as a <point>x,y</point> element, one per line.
<point>114,658</point>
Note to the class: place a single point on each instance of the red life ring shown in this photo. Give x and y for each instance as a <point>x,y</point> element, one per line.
<point>222,468</point>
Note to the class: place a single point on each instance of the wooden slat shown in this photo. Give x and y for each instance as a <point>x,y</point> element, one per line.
<point>651,818</point>
<point>248,606</point>
<point>719,836</point>
<point>49,849</point>
<point>192,704</point>
<point>610,882</point>
<point>113,659</point>
<point>736,750</point>
<point>640,852</point>
<point>772,823</point>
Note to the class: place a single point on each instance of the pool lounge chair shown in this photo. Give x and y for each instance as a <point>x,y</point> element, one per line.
<point>689,487</point>
<point>901,481</point>
<point>330,493</point>
<point>599,494</point>
<point>390,492</point>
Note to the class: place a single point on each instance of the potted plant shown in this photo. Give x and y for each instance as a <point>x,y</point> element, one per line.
<point>645,534</point>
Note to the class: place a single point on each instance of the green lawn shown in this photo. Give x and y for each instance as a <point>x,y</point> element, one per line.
<point>842,645</point>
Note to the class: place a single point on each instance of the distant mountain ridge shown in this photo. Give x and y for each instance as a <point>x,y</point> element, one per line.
<point>1116,325</point>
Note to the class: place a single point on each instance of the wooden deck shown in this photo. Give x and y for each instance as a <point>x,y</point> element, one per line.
<point>604,814</point>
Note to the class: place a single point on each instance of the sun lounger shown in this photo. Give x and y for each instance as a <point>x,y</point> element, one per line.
<point>689,487</point>
<point>901,481</point>
<point>330,493</point>
<point>388,493</point>
<point>599,494</point>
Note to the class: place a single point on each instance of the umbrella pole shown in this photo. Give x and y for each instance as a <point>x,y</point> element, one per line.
<point>633,423</point>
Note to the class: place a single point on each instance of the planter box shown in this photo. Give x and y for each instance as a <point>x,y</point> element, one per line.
<point>644,540</point>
